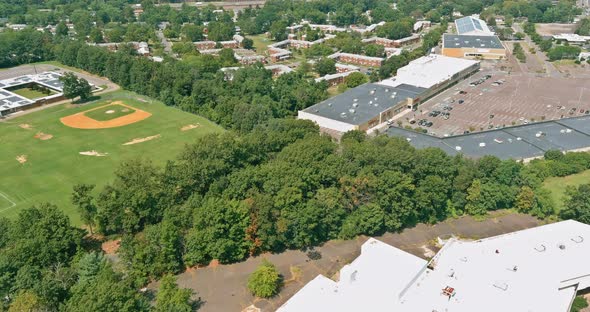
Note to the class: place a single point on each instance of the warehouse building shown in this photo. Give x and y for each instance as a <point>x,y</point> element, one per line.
<point>363,107</point>
<point>539,269</point>
<point>470,46</point>
<point>369,105</point>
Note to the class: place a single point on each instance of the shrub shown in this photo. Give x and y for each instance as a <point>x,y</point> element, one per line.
<point>266,281</point>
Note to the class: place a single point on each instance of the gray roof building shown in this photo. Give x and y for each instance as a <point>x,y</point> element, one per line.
<point>520,142</point>
<point>358,105</point>
<point>470,41</point>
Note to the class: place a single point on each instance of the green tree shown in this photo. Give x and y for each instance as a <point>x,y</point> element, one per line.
<point>525,200</point>
<point>106,292</point>
<point>84,201</point>
<point>75,87</point>
<point>192,33</point>
<point>219,31</point>
<point>219,232</point>
<point>474,198</point>
<point>396,30</point>
<point>26,301</point>
<point>170,298</point>
<point>248,43</point>
<point>355,79</point>
<point>577,203</point>
<point>265,281</point>
<point>325,66</point>
<point>374,50</point>
<point>61,30</point>
<point>277,30</point>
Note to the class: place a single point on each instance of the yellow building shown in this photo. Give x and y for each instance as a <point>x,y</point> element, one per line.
<point>469,46</point>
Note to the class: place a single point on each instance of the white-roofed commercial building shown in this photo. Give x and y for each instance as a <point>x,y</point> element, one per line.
<point>375,279</point>
<point>433,72</point>
<point>537,270</point>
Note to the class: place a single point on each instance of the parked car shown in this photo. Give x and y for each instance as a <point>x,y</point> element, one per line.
<point>462,92</point>
<point>429,124</point>
<point>461,101</point>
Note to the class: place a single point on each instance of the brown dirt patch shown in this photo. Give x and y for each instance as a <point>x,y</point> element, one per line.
<point>26,126</point>
<point>111,247</point>
<point>81,121</point>
<point>93,153</point>
<point>141,140</point>
<point>213,264</point>
<point>189,127</point>
<point>43,136</point>
<point>21,159</point>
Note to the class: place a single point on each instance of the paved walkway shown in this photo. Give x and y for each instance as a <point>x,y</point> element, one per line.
<point>223,287</point>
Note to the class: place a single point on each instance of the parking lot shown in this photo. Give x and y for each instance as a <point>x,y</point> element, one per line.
<point>508,97</point>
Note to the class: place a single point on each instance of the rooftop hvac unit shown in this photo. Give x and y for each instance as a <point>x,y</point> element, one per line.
<point>351,111</point>
<point>355,104</point>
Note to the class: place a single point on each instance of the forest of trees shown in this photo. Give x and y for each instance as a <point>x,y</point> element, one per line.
<point>284,186</point>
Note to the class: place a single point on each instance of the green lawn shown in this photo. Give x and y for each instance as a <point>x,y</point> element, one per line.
<point>30,93</point>
<point>557,185</point>
<point>109,112</point>
<point>261,42</point>
<point>53,166</point>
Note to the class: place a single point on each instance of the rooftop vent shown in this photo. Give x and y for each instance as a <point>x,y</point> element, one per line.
<point>541,248</point>
<point>561,246</point>
<point>501,285</point>
<point>577,239</point>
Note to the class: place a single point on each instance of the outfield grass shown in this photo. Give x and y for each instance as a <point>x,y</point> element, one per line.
<point>53,166</point>
<point>102,115</point>
<point>30,93</point>
<point>557,185</point>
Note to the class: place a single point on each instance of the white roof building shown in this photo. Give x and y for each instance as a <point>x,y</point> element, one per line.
<point>572,38</point>
<point>374,279</point>
<point>428,71</point>
<point>535,270</point>
<point>471,25</point>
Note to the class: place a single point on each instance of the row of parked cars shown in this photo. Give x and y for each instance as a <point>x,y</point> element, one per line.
<point>480,80</point>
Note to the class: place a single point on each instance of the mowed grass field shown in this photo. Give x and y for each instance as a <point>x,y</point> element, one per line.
<point>54,165</point>
<point>557,185</point>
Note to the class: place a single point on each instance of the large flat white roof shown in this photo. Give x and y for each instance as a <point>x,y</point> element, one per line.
<point>428,71</point>
<point>372,282</point>
<point>10,100</point>
<point>538,269</point>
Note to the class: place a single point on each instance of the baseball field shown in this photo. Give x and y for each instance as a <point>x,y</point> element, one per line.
<point>44,153</point>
